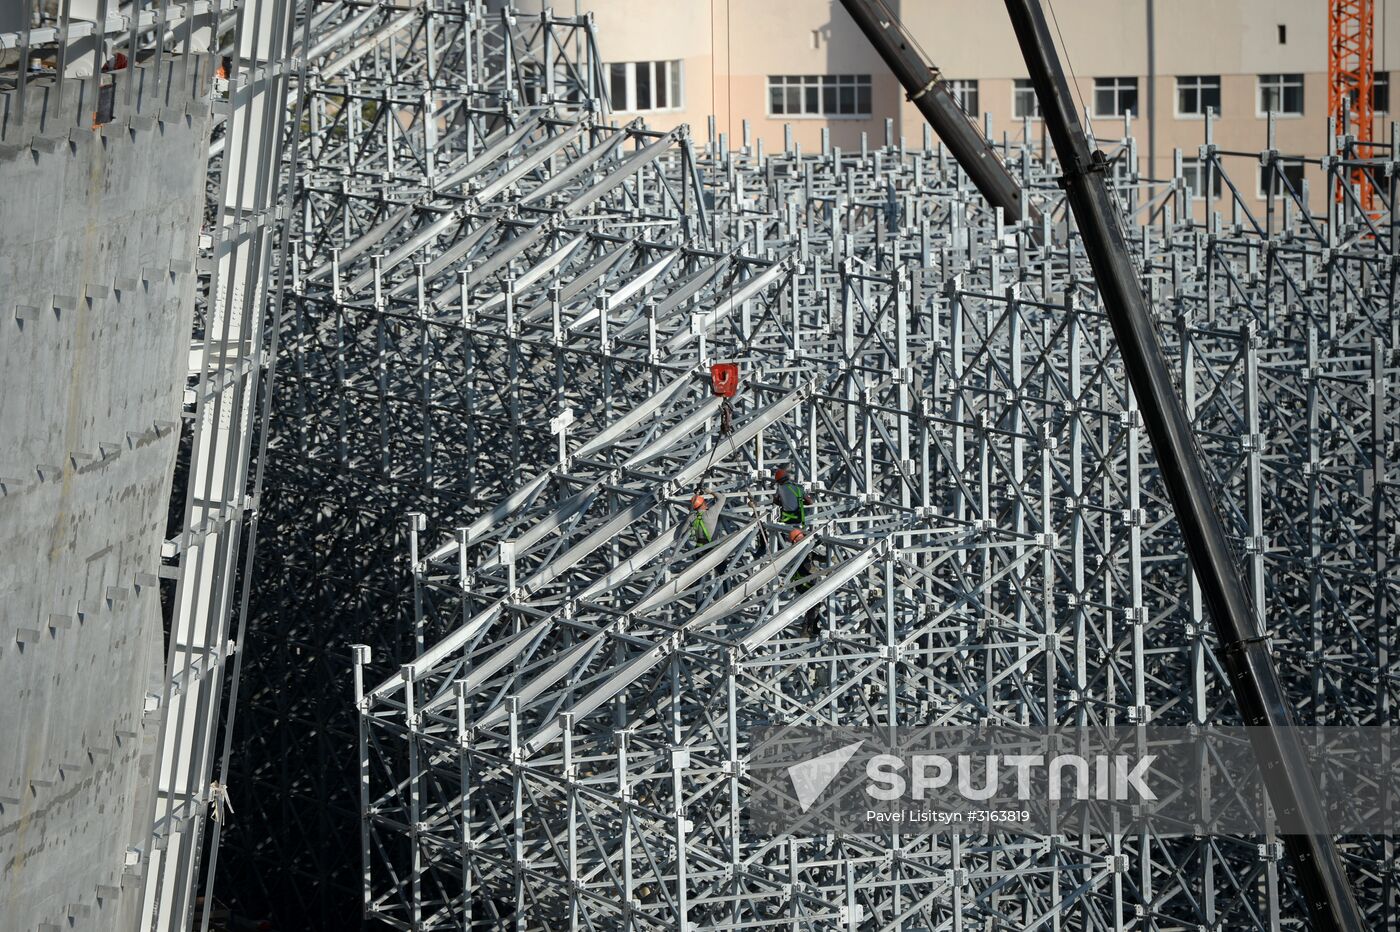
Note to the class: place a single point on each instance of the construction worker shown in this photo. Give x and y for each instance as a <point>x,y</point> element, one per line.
<point>792,500</point>
<point>702,528</point>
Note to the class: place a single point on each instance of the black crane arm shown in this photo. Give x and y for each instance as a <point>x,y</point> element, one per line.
<point>1249,666</point>
<point>925,88</point>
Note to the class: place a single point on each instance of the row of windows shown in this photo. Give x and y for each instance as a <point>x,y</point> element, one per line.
<point>1195,94</point>
<point>819,95</point>
<point>640,86</point>
<point>1113,97</point>
<point>658,85</point>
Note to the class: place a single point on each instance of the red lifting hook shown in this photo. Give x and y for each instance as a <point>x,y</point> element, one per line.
<point>724,378</point>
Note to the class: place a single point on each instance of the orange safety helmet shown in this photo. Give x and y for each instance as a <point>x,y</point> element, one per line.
<point>779,474</point>
<point>698,502</point>
<point>796,536</point>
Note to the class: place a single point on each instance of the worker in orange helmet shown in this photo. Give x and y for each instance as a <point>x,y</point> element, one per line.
<point>792,500</point>
<point>702,525</point>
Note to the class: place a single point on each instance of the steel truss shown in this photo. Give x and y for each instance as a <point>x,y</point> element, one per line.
<point>502,308</point>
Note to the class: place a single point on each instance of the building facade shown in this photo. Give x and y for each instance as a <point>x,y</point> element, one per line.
<point>802,66</point>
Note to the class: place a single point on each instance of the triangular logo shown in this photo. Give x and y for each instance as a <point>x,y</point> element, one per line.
<point>811,777</point>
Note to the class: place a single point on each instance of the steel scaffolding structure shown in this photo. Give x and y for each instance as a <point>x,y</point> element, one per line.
<point>231,362</point>
<point>339,476</point>
<point>502,307</point>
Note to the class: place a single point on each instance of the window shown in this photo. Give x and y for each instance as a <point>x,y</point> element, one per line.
<point>1380,94</point>
<point>644,85</point>
<point>1196,94</point>
<point>617,85</point>
<point>1194,171</point>
<point>965,93</point>
<point>1023,100</point>
<point>1115,96</point>
<point>1281,93</point>
<point>819,95</point>
<point>1282,34</point>
<point>1292,171</point>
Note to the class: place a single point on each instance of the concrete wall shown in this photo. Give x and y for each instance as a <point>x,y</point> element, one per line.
<point>98,237</point>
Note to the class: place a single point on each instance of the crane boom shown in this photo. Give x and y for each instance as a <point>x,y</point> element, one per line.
<point>1244,648</point>
<point>1351,76</point>
<point>925,88</point>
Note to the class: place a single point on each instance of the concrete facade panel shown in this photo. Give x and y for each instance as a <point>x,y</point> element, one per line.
<point>98,238</point>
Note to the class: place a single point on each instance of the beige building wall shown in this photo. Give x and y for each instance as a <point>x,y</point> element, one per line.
<point>1235,39</point>
<point>729,48</point>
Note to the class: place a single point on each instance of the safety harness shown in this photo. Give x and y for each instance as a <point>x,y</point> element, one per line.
<point>699,530</point>
<point>798,517</point>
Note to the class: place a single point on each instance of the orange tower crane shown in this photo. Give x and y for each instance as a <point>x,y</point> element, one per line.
<point>1351,76</point>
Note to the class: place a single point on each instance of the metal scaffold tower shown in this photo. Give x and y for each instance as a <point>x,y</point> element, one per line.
<point>231,363</point>
<point>347,457</point>
<point>493,407</point>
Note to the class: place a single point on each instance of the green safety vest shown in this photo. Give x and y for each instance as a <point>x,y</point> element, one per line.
<point>799,498</point>
<point>699,530</point>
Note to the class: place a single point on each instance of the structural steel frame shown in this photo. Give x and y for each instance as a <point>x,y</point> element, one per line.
<point>492,308</point>
<point>563,741</point>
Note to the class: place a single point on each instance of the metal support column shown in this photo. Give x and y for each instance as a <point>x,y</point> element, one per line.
<point>1245,650</point>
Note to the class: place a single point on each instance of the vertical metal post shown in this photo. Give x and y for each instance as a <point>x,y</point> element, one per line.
<point>1245,650</point>
<point>924,87</point>
<point>360,655</point>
